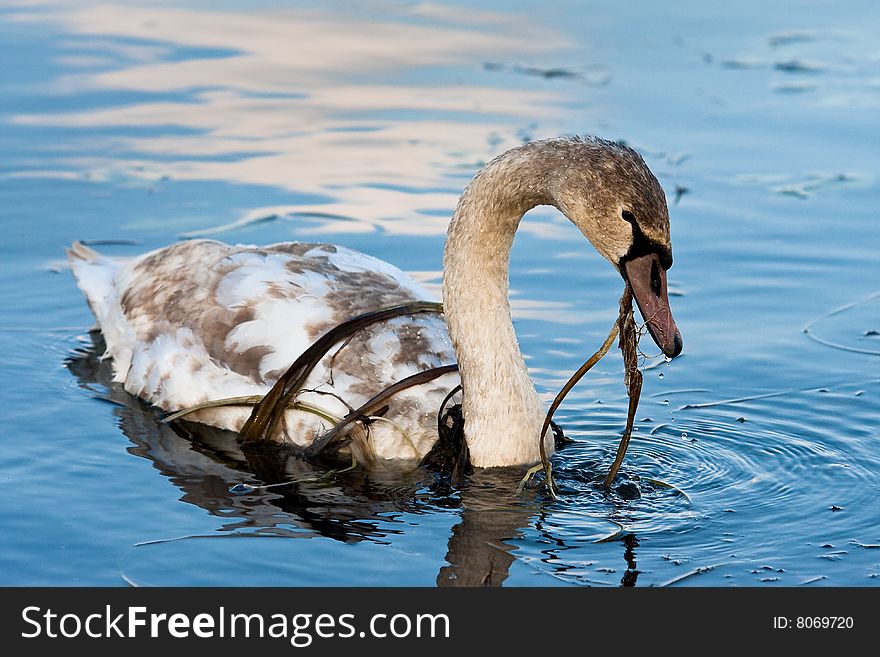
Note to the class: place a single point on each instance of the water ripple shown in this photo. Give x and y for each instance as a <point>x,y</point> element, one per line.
<point>794,461</point>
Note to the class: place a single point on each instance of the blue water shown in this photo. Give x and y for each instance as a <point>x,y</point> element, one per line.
<point>143,123</point>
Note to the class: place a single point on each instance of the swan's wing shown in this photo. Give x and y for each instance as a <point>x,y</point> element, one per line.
<point>201,320</point>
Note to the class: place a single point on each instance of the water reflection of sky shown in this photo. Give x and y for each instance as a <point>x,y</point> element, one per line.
<point>372,116</point>
<point>359,124</point>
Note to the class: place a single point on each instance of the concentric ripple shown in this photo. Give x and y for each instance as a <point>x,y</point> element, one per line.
<point>852,327</point>
<point>701,478</point>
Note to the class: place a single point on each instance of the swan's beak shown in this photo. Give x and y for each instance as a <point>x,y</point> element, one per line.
<point>647,278</point>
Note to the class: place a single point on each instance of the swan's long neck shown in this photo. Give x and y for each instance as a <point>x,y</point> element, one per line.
<point>502,411</point>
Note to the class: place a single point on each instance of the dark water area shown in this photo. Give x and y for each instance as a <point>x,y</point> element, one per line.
<point>756,459</point>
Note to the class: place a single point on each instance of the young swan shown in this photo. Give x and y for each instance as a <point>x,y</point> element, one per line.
<point>608,192</point>
<point>201,320</point>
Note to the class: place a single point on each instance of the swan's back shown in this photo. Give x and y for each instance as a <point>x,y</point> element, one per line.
<point>201,320</point>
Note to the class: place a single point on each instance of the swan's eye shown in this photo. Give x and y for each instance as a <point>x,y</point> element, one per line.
<point>628,216</point>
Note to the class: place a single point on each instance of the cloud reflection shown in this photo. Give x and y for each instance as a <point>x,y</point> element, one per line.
<point>313,101</point>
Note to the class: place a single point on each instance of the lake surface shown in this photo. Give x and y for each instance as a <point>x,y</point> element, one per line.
<point>138,124</point>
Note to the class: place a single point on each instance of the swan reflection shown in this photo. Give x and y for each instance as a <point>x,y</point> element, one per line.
<point>287,497</point>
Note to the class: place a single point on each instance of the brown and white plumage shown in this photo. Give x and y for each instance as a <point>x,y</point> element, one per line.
<point>201,320</point>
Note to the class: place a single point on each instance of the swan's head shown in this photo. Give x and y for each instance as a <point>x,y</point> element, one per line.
<point>607,191</point>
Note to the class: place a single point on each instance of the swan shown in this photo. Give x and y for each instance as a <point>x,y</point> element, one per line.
<point>201,320</point>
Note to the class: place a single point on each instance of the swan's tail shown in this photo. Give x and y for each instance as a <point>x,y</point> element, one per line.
<point>95,275</point>
<point>98,277</point>
<point>79,251</point>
